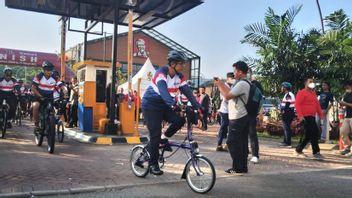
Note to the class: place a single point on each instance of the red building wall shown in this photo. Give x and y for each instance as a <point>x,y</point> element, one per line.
<point>156,51</point>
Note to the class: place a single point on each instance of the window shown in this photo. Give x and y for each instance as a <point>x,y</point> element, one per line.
<point>100,85</point>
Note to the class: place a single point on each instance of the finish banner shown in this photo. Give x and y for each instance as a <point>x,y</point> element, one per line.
<point>26,58</point>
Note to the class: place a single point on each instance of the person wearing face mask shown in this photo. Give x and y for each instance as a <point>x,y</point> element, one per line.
<point>346,127</point>
<point>307,106</point>
<point>224,114</point>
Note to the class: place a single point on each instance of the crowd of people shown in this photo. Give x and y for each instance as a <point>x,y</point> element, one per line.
<point>170,89</point>
<point>28,96</point>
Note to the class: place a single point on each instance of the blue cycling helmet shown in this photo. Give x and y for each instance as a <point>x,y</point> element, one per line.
<point>176,56</point>
<point>286,85</point>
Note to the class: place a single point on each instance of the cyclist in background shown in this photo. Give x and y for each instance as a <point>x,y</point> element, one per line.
<point>43,85</point>
<point>159,103</point>
<point>21,93</point>
<point>7,86</point>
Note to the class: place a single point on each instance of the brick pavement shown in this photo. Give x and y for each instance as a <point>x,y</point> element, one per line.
<point>26,167</point>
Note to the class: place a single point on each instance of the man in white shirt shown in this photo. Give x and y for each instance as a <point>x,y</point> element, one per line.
<point>224,115</point>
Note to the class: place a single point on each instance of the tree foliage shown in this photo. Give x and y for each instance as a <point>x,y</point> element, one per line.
<point>286,55</point>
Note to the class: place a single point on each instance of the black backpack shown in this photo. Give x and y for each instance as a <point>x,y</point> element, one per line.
<point>255,99</point>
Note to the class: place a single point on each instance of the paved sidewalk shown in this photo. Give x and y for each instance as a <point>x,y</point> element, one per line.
<point>78,166</point>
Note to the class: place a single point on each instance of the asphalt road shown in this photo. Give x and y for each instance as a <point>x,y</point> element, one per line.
<point>322,183</point>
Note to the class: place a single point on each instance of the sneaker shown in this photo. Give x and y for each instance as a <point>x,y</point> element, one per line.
<point>155,170</point>
<point>283,144</point>
<point>255,160</point>
<point>139,164</point>
<point>220,148</point>
<point>164,143</point>
<point>300,154</point>
<point>318,156</point>
<point>233,172</point>
<point>226,147</point>
<point>345,151</point>
<point>349,154</point>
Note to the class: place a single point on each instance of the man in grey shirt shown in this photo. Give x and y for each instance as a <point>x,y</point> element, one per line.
<point>238,118</point>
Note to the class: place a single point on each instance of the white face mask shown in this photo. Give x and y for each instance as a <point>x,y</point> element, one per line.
<point>311,85</point>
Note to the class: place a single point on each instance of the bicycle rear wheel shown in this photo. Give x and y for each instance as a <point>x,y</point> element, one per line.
<point>4,124</point>
<point>60,131</point>
<point>139,161</point>
<point>200,174</point>
<point>50,127</point>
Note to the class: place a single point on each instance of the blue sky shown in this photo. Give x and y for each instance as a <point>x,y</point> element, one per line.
<point>212,30</point>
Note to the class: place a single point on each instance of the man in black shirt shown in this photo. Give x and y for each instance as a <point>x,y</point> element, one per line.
<point>326,100</point>
<point>346,127</point>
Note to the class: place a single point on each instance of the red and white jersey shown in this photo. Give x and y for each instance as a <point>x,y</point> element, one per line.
<point>7,86</point>
<point>46,86</point>
<point>173,83</point>
<point>288,98</point>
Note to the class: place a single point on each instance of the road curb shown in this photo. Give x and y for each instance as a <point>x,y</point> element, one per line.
<point>104,140</point>
<point>78,190</point>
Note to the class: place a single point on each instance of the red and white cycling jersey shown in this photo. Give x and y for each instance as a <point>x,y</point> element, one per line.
<point>7,86</point>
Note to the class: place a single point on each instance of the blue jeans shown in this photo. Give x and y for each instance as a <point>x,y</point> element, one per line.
<point>323,126</point>
<point>224,127</point>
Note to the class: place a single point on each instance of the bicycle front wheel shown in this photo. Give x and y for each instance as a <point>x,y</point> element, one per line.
<point>139,161</point>
<point>200,174</point>
<point>50,127</point>
<point>60,131</point>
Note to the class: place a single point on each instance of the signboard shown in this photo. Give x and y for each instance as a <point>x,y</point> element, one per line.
<point>28,58</point>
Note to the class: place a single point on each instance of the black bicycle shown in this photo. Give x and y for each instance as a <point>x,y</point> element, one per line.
<point>199,172</point>
<point>19,113</point>
<point>47,124</point>
<point>4,111</point>
<point>60,105</point>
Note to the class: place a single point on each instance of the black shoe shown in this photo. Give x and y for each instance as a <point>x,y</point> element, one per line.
<point>233,172</point>
<point>165,144</point>
<point>9,125</point>
<point>139,164</point>
<point>155,170</point>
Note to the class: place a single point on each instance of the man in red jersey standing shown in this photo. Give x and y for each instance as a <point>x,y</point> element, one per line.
<point>307,106</point>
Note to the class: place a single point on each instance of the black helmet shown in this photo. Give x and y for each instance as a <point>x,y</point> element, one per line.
<point>8,71</point>
<point>47,65</point>
<point>176,56</point>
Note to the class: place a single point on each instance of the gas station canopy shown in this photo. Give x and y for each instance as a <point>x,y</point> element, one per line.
<point>147,13</point>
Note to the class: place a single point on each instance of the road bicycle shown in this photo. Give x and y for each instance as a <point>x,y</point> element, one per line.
<point>199,172</point>
<point>47,124</point>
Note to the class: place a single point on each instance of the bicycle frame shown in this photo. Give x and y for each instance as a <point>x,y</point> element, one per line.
<point>192,146</point>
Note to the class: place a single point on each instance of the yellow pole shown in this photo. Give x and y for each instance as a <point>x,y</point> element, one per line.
<point>130,49</point>
<point>63,43</point>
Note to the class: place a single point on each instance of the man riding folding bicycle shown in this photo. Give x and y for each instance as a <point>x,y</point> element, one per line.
<point>159,103</point>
